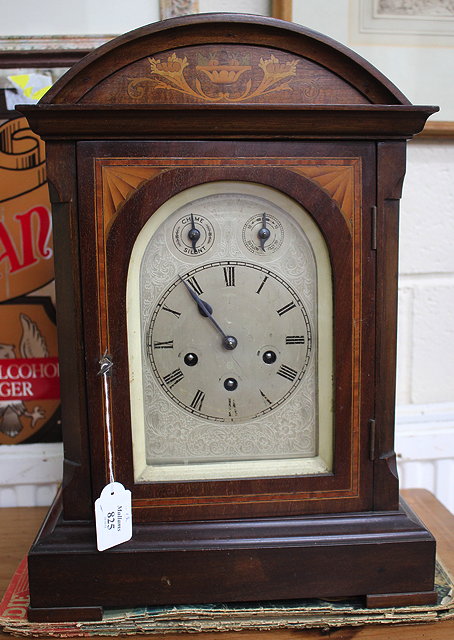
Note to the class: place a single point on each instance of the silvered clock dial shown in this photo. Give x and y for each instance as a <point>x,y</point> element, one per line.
<point>219,363</point>
<point>230,337</point>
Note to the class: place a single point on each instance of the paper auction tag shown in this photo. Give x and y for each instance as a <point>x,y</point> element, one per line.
<point>113,516</point>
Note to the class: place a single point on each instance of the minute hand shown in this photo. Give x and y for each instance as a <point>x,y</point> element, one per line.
<point>228,342</point>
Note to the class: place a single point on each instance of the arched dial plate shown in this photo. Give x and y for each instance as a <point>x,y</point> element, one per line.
<point>229,309</point>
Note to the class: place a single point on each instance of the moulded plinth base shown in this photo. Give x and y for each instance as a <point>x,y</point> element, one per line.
<point>389,557</point>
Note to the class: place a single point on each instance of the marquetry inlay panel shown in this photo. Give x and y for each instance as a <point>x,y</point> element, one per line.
<point>226,74</point>
<point>119,181</point>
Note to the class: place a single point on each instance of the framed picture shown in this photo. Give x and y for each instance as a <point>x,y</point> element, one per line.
<point>413,40</point>
<point>410,41</point>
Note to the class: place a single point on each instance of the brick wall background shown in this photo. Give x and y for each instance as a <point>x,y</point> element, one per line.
<point>426,280</point>
<point>425,378</point>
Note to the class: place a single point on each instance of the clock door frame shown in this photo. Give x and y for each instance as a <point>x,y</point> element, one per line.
<point>348,487</point>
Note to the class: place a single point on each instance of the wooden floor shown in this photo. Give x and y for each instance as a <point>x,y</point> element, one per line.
<point>18,527</point>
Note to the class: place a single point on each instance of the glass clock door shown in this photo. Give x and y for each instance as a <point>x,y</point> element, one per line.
<point>229,323</point>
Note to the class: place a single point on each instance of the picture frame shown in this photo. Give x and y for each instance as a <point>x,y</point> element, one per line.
<point>402,40</point>
<point>282,9</point>
<point>412,26</point>
<point>34,52</point>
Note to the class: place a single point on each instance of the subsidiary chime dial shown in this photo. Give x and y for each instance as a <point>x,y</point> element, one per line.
<point>227,277</point>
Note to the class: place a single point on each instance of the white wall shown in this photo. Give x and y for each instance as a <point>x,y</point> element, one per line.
<point>426,311</point>
<point>89,17</point>
<point>84,17</point>
<point>425,383</point>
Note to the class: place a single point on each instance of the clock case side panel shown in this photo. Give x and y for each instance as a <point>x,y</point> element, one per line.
<point>62,176</point>
<point>122,442</point>
<point>391,163</point>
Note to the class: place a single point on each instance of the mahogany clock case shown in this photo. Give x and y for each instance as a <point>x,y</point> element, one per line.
<point>212,99</point>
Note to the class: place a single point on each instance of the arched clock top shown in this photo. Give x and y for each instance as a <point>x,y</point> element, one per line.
<point>225,58</point>
<point>224,76</point>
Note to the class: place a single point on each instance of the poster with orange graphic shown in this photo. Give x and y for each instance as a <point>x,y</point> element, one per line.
<point>29,381</point>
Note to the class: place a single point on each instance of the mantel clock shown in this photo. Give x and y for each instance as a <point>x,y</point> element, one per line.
<point>225,196</point>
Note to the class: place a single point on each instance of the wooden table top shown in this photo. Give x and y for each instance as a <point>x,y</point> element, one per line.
<point>18,527</point>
